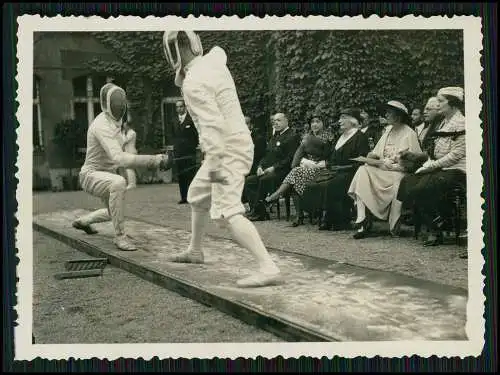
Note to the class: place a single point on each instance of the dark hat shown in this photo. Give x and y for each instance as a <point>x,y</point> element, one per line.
<point>353,112</point>
<point>317,115</point>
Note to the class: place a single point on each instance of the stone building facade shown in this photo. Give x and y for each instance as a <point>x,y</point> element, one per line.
<point>64,88</point>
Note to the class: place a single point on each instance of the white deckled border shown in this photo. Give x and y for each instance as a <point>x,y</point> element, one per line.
<point>475,327</point>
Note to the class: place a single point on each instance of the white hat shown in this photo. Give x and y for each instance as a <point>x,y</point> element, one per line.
<point>456,92</point>
<point>398,105</point>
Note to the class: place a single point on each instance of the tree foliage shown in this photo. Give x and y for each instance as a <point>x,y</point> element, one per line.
<point>325,71</point>
<point>297,72</point>
<point>69,136</point>
<point>148,73</point>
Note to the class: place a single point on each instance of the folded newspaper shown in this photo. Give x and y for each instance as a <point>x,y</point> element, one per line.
<point>369,161</point>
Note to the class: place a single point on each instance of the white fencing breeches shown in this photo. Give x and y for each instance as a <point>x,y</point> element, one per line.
<point>224,201</point>
<point>110,187</point>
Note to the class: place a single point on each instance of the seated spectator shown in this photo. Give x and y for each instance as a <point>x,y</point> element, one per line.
<point>417,120</point>
<point>272,169</point>
<point>259,141</point>
<point>445,169</point>
<point>432,119</point>
<point>273,128</point>
<point>375,186</point>
<point>309,158</point>
<point>328,192</point>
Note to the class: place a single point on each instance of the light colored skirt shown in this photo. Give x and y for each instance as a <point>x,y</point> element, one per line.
<point>378,190</point>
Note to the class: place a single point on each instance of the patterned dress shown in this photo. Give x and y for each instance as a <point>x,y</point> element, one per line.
<point>315,148</point>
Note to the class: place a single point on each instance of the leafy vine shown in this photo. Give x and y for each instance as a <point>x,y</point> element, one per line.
<point>298,72</point>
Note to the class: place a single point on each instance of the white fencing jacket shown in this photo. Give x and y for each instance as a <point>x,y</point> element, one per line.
<point>105,149</point>
<point>212,101</point>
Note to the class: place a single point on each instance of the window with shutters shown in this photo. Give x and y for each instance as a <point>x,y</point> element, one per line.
<point>85,104</point>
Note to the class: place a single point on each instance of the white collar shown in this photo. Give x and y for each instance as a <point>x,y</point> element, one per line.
<point>284,130</point>
<point>344,137</point>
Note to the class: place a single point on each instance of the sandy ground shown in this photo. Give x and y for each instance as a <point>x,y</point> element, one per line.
<point>158,204</point>
<point>120,308</point>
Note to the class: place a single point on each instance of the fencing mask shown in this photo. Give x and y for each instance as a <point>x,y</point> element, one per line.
<point>114,102</point>
<point>172,53</point>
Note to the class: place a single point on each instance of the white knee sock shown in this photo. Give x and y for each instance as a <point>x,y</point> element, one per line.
<point>199,221</point>
<point>245,233</point>
<point>361,209</point>
<point>116,206</point>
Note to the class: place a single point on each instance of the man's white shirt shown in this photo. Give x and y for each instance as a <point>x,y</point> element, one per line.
<point>182,118</point>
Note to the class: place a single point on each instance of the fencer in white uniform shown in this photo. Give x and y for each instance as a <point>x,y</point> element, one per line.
<point>212,101</point>
<point>98,175</point>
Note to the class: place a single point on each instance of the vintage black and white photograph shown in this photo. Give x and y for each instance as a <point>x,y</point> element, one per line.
<point>269,186</point>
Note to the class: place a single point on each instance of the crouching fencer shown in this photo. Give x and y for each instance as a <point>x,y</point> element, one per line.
<point>211,99</point>
<point>98,175</point>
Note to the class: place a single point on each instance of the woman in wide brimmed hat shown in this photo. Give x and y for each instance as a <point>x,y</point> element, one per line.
<point>328,192</point>
<point>444,170</point>
<point>375,187</point>
<point>309,158</point>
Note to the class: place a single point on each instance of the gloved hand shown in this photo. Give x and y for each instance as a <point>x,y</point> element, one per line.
<point>166,162</point>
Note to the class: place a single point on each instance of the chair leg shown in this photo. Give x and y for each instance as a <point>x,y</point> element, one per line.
<point>417,224</point>
<point>278,211</point>
<point>287,207</point>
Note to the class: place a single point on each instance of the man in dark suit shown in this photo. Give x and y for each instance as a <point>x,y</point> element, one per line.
<point>273,167</point>
<point>259,141</point>
<point>185,145</point>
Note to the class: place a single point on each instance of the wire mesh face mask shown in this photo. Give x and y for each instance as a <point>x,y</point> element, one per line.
<point>114,102</point>
<point>172,52</point>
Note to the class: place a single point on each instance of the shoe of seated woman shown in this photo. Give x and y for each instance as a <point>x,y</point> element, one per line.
<point>396,231</point>
<point>434,240</point>
<point>297,222</point>
<point>325,226</point>
<point>363,228</point>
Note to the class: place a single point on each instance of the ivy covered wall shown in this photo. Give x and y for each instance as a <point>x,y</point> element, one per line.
<point>297,72</point>
<point>150,78</point>
<point>325,71</point>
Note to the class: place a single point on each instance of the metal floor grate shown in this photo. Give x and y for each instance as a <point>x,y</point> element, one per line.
<point>86,264</point>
